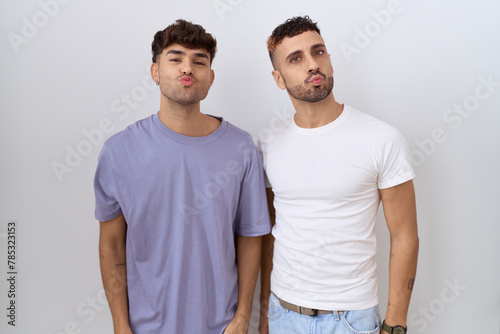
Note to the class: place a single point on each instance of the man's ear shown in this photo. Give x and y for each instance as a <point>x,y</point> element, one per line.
<point>154,73</point>
<point>212,78</point>
<point>280,82</point>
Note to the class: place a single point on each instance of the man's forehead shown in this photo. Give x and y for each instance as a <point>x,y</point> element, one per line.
<point>301,42</point>
<point>304,40</point>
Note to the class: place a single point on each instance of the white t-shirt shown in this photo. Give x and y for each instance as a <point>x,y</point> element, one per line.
<point>326,183</point>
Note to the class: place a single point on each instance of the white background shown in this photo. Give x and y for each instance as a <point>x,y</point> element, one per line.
<point>65,73</point>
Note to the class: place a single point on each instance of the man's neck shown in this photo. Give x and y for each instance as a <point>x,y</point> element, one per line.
<point>187,120</point>
<point>313,115</point>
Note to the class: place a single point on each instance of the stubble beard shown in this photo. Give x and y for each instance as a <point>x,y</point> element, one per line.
<point>185,98</point>
<point>313,94</point>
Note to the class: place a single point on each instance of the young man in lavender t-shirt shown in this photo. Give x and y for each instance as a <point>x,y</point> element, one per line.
<point>181,200</point>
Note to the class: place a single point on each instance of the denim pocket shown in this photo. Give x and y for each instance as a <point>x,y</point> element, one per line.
<point>362,321</point>
<point>275,308</point>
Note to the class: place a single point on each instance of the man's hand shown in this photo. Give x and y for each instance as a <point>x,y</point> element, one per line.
<point>239,325</point>
<point>263,322</point>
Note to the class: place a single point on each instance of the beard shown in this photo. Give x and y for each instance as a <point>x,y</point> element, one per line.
<point>184,96</point>
<point>313,94</point>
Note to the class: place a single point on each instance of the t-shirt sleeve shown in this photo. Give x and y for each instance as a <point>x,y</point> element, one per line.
<point>252,217</point>
<point>107,206</point>
<point>394,160</point>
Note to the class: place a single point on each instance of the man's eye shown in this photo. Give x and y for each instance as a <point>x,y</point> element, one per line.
<point>319,52</point>
<point>295,59</point>
<point>200,63</point>
<point>175,60</point>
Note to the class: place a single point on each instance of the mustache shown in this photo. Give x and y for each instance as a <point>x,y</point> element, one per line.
<point>313,74</point>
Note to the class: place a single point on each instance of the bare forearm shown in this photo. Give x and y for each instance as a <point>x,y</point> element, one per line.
<point>248,257</point>
<point>113,272</point>
<point>402,271</point>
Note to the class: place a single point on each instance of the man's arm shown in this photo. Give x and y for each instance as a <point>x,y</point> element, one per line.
<point>112,239</point>
<point>247,258</point>
<point>266,263</point>
<point>401,217</point>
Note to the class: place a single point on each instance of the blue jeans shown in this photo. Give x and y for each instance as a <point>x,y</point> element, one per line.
<point>284,321</point>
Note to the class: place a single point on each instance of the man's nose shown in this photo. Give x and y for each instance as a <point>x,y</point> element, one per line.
<point>312,65</point>
<point>187,68</point>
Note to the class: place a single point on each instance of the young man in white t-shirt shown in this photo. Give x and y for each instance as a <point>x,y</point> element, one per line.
<point>327,172</point>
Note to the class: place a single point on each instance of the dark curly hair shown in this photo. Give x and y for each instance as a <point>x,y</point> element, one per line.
<point>291,27</point>
<point>187,34</point>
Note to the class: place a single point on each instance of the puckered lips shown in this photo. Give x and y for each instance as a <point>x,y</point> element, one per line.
<point>187,81</point>
<point>317,79</point>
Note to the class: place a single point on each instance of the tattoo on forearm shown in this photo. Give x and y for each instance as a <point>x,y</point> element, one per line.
<point>120,264</point>
<point>411,282</point>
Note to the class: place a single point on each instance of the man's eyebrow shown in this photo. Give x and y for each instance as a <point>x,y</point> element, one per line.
<point>201,55</point>
<point>176,52</point>
<point>319,45</point>
<point>294,53</point>
<point>182,53</point>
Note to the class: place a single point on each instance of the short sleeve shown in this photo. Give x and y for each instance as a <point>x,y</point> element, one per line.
<point>393,158</point>
<point>252,218</point>
<point>107,206</point>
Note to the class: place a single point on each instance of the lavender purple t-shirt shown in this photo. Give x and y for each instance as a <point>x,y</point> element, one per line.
<point>183,198</point>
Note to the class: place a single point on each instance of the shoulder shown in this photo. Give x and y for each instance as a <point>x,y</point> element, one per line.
<point>237,136</point>
<point>235,132</point>
<point>363,120</point>
<point>242,142</point>
<point>131,133</point>
<point>368,123</point>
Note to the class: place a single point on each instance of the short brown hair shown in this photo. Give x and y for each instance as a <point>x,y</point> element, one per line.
<point>187,34</point>
<point>291,27</point>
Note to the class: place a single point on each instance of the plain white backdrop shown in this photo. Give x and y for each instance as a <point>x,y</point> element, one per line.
<point>75,72</point>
